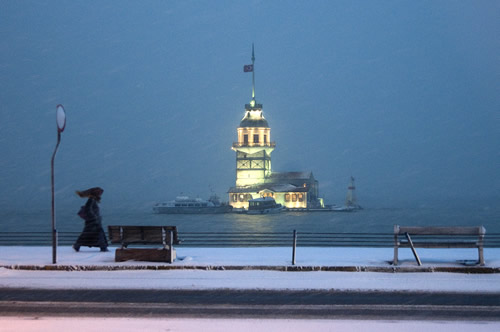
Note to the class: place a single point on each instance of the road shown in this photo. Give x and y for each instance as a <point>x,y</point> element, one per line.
<point>250,304</point>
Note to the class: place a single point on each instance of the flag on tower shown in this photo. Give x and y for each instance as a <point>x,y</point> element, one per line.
<point>248,68</point>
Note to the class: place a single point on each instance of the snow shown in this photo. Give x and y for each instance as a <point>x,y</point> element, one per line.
<point>36,324</point>
<point>246,268</point>
<point>239,268</point>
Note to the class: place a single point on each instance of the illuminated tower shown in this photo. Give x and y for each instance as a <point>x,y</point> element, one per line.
<point>254,146</point>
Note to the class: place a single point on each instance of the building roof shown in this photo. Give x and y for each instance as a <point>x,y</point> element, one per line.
<point>281,182</point>
<point>254,118</point>
<point>247,122</point>
<point>280,176</point>
<point>270,187</point>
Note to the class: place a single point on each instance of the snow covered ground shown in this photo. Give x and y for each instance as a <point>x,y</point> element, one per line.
<point>196,270</point>
<point>37,324</point>
<point>211,268</point>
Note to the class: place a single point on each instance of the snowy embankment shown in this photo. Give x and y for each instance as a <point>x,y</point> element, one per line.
<point>84,324</point>
<point>204,268</point>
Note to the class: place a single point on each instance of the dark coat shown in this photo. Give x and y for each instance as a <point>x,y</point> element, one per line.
<point>92,235</point>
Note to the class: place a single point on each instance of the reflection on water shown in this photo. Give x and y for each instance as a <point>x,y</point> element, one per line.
<point>364,221</point>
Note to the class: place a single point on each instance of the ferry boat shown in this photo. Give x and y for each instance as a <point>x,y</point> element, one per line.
<point>188,205</point>
<point>263,205</point>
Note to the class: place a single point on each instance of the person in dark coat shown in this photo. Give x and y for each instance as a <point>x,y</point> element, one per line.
<point>92,235</point>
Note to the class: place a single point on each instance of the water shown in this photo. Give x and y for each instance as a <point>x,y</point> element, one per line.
<point>364,221</point>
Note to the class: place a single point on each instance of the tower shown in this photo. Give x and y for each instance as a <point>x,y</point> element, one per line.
<point>350,200</point>
<point>254,146</point>
<point>254,178</point>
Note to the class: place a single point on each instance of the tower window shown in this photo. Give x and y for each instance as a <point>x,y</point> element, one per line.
<point>265,138</point>
<point>256,138</point>
<point>245,139</point>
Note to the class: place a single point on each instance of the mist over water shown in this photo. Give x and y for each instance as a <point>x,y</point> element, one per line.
<point>402,95</point>
<point>370,220</point>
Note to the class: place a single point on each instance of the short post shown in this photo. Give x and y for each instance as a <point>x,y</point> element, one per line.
<point>294,246</point>
<point>171,235</point>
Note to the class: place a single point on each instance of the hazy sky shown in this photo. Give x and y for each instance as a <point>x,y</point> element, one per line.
<point>403,95</point>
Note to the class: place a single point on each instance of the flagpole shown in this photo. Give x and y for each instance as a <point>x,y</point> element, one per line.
<point>253,75</point>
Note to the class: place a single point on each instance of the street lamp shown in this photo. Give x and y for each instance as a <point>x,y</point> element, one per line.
<point>61,124</point>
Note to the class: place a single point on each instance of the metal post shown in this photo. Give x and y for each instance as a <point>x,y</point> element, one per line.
<point>61,124</point>
<point>54,230</point>
<point>294,246</point>
<point>413,249</point>
<point>171,246</point>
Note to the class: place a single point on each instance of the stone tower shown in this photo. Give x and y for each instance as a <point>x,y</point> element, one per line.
<point>254,178</point>
<point>254,146</point>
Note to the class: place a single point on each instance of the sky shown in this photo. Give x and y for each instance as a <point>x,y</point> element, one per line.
<point>402,95</point>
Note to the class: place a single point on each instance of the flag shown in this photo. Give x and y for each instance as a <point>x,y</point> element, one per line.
<point>248,68</point>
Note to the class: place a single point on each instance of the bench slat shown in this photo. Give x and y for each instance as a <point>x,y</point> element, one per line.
<point>440,245</point>
<point>477,230</point>
<point>126,235</point>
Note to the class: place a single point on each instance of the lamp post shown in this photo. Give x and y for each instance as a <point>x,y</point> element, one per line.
<point>61,124</point>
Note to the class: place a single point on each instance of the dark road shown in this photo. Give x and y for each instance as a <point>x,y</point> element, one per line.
<point>250,303</point>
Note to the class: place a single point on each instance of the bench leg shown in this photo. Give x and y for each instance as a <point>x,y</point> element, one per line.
<point>413,249</point>
<point>395,261</point>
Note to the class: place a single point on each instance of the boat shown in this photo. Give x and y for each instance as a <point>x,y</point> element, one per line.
<point>351,203</point>
<point>188,205</point>
<point>344,209</point>
<point>263,205</point>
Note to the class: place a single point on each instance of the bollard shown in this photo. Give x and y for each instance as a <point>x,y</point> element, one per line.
<point>294,246</point>
<point>171,246</point>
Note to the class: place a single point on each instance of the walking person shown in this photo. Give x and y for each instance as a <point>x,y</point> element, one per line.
<point>92,235</point>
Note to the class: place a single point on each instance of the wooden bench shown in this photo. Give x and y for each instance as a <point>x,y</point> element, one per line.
<point>166,236</point>
<point>438,237</point>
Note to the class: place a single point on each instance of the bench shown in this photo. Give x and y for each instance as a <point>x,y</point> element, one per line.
<point>166,236</point>
<point>438,237</point>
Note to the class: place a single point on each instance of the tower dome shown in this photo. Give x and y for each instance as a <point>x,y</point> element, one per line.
<point>254,118</point>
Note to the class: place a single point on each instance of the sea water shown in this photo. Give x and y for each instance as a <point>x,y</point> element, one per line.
<point>368,220</point>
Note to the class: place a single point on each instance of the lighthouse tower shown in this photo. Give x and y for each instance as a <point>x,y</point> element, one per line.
<point>254,146</point>
<point>254,178</point>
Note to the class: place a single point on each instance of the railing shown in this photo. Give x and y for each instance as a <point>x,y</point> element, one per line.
<point>254,107</point>
<point>251,144</point>
<point>240,239</point>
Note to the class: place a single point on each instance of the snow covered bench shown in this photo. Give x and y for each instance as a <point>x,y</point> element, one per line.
<point>166,236</point>
<point>438,237</point>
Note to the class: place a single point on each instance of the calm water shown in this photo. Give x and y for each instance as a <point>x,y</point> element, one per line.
<point>368,220</point>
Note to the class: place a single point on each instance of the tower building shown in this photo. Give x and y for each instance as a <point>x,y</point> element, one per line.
<point>254,177</point>
<point>254,146</point>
